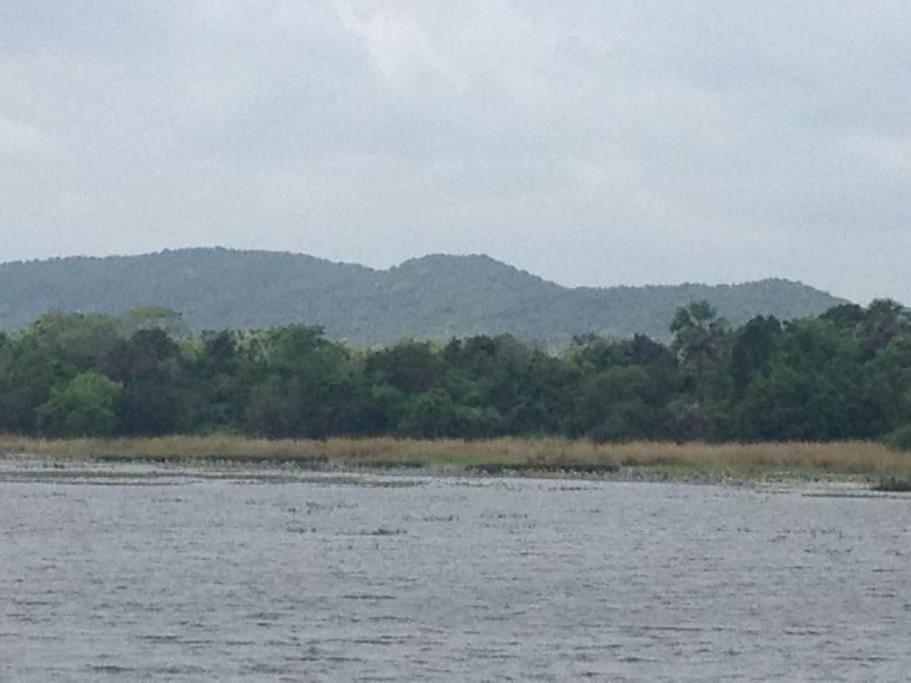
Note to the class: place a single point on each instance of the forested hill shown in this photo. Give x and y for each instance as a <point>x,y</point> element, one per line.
<point>434,297</point>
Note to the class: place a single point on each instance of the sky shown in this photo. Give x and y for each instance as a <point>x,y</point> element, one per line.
<point>590,142</point>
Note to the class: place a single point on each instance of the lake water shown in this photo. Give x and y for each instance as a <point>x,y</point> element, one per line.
<point>142,572</point>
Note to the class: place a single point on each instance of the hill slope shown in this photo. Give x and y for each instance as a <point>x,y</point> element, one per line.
<point>434,297</point>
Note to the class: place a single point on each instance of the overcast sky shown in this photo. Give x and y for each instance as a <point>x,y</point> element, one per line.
<point>589,142</point>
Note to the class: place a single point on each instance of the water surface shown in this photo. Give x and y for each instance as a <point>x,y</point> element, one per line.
<point>143,572</point>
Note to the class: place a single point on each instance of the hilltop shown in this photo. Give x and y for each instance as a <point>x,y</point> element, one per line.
<point>434,297</point>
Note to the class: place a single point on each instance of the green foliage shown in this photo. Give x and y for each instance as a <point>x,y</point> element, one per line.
<point>845,374</point>
<point>153,318</point>
<point>431,414</point>
<point>156,384</point>
<point>900,438</point>
<point>85,406</point>
<point>411,367</point>
<point>301,384</point>
<point>752,349</point>
<point>812,388</point>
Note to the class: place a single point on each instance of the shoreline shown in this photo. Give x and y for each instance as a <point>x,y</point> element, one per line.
<point>856,463</point>
<point>37,469</point>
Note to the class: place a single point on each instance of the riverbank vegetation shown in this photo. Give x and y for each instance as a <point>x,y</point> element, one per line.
<point>842,376</point>
<point>869,461</point>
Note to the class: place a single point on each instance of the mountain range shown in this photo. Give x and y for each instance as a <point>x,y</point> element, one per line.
<point>433,297</point>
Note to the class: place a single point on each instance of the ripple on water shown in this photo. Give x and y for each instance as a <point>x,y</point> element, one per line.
<point>346,576</point>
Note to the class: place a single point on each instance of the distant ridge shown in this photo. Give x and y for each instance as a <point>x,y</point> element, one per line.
<point>433,297</point>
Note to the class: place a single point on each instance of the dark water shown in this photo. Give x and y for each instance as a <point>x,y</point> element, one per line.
<point>138,576</point>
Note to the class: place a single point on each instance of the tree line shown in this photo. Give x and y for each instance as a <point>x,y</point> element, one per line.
<point>844,374</point>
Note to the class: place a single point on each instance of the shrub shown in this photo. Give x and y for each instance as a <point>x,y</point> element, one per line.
<point>900,438</point>
<point>86,406</point>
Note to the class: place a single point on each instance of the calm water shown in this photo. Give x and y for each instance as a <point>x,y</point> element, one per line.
<point>188,576</point>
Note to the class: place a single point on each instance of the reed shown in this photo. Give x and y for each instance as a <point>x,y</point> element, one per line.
<point>493,455</point>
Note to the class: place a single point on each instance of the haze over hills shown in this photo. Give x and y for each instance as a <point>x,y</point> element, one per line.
<point>434,297</point>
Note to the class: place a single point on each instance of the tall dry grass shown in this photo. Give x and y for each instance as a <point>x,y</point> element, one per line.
<point>547,453</point>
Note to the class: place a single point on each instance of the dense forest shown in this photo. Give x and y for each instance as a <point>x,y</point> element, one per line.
<point>843,374</point>
<point>433,298</point>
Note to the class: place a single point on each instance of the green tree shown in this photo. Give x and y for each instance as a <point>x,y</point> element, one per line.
<point>887,383</point>
<point>701,343</point>
<point>305,385</point>
<point>430,415</point>
<point>75,342</point>
<point>48,353</point>
<point>222,380</point>
<point>161,318</point>
<point>884,320</point>
<point>157,395</point>
<point>409,366</point>
<point>85,406</point>
<point>812,389</point>
<point>752,349</point>
<point>698,334</point>
<point>845,316</point>
<point>620,403</point>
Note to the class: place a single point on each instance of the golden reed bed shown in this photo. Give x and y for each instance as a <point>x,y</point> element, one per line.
<point>850,457</point>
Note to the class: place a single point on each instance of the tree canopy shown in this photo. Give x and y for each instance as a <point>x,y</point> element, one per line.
<point>843,374</point>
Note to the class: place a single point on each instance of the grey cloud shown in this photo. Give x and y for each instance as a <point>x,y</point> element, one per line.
<point>594,143</point>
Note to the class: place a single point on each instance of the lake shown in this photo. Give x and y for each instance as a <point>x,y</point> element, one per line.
<point>143,572</point>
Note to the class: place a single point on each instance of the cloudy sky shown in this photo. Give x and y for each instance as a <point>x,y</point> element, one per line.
<point>590,142</point>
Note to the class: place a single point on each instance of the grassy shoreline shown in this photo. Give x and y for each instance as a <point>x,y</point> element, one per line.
<point>838,461</point>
